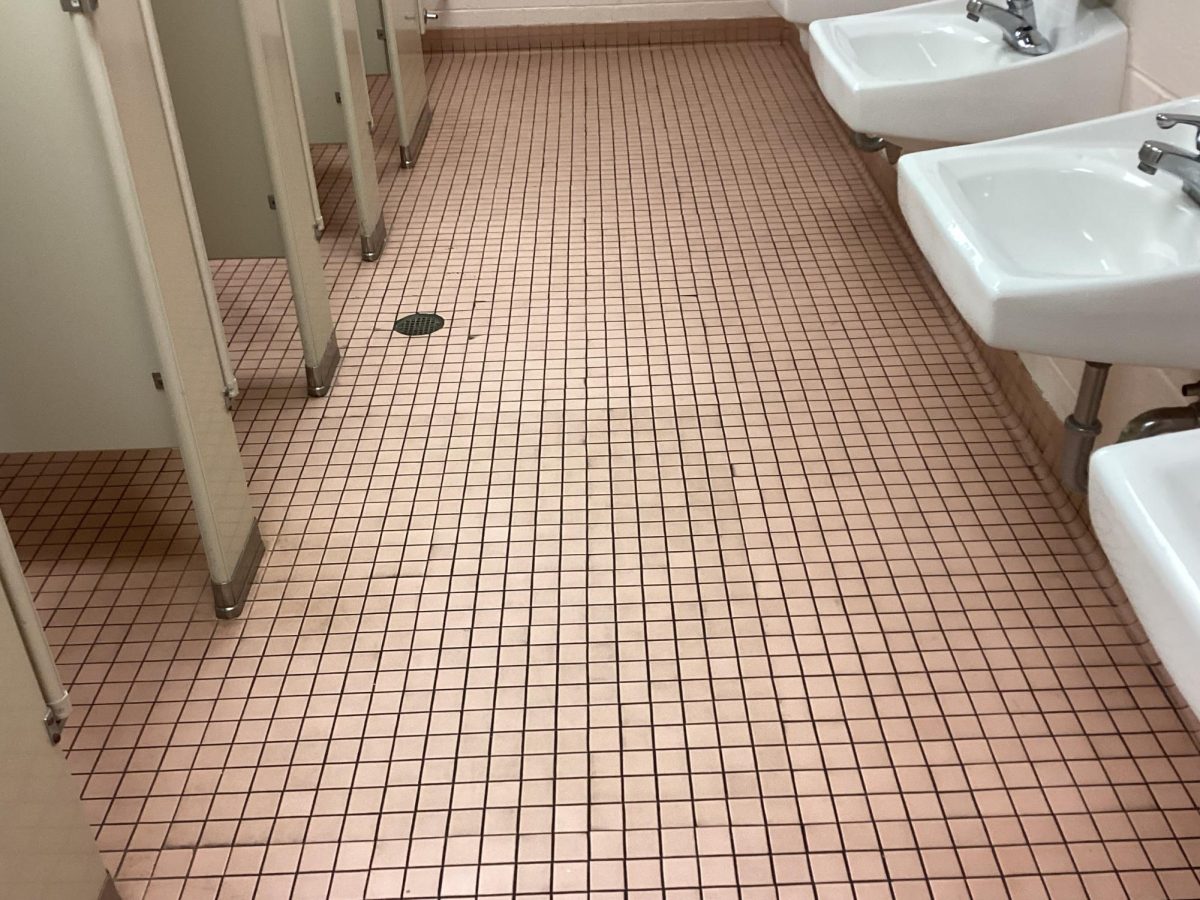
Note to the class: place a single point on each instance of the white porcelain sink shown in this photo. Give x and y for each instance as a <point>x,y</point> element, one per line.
<point>1055,243</point>
<point>1145,504</point>
<point>804,11</point>
<point>926,75</point>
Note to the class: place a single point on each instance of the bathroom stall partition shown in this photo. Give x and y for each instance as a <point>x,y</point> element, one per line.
<point>328,54</point>
<point>111,338</point>
<point>370,26</point>
<point>403,24</point>
<point>233,88</point>
<point>389,41</point>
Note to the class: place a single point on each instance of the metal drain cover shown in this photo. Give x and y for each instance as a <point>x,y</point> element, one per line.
<point>419,324</point>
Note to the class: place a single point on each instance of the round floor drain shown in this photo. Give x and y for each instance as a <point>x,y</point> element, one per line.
<point>419,324</point>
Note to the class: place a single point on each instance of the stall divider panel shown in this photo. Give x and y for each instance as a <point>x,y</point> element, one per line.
<point>211,84</point>
<point>291,167</point>
<point>370,26</point>
<point>136,73</point>
<point>402,22</point>
<point>119,349</point>
<point>189,374</point>
<point>77,352</point>
<point>232,85</point>
<point>312,30</point>
<point>301,126</point>
<point>141,150</point>
<point>356,108</point>
<point>327,53</point>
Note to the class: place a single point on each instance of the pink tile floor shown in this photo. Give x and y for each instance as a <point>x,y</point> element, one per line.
<point>690,560</point>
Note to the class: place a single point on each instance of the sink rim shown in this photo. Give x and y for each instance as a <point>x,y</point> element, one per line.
<point>986,94</point>
<point>971,229</point>
<point>784,9</point>
<point>1144,526</point>
<point>1144,317</point>
<point>1092,26</point>
<point>842,34</point>
<point>988,53</point>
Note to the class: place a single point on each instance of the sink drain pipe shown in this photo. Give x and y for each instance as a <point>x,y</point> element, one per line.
<point>868,143</point>
<point>1165,419</point>
<point>1082,427</point>
<point>873,143</point>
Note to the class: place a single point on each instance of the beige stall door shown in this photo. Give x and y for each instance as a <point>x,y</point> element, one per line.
<point>328,56</point>
<point>370,26</point>
<point>406,59</point>
<point>234,93</point>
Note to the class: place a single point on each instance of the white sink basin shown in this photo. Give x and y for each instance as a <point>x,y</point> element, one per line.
<point>1055,243</point>
<point>926,75</point>
<point>1145,503</point>
<point>804,11</point>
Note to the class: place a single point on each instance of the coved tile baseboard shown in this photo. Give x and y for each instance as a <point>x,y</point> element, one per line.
<point>605,34</point>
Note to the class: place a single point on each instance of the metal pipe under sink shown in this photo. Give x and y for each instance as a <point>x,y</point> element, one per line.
<point>1165,419</point>
<point>1082,427</point>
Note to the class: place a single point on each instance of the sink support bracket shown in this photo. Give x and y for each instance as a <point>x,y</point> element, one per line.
<point>1082,427</point>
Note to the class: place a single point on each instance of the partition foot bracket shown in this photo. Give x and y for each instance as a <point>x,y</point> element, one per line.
<point>320,377</point>
<point>230,596</point>
<point>410,151</point>
<point>108,891</point>
<point>372,244</point>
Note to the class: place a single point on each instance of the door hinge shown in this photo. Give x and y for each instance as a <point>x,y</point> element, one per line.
<point>54,726</point>
<point>337,95</point>
<point>379,33</point>
<point>79,6</point>
<point>158,381</point>
<point>271,200</point>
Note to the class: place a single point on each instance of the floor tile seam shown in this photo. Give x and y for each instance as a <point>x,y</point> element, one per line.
<point>1081,533</point>
<point>1077,525</point>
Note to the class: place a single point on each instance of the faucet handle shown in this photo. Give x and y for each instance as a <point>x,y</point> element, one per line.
<point>1170,120</point>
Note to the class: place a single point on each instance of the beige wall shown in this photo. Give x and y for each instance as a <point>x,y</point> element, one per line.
<point>1162,54</point>
<point>1161,65</point>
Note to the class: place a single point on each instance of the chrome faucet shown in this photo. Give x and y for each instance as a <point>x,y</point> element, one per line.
<point>1183,164</point>
<point>1019,21</point>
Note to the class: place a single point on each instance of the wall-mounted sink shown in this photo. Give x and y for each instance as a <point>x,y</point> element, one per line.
<point>926,75</point>
<point>804,11</point>
<point>1145,504</point>
<point>1056,243</point>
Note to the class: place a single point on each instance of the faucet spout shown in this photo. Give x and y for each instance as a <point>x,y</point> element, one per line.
<point>1018,19</point>
<point>1016,15</point>
<point>1157,156</point>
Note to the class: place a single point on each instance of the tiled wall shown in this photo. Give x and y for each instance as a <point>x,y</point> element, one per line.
<point>1163,35</point>
<point>499,13</point>
<point>1162,55</point>
<point>603,34</point>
